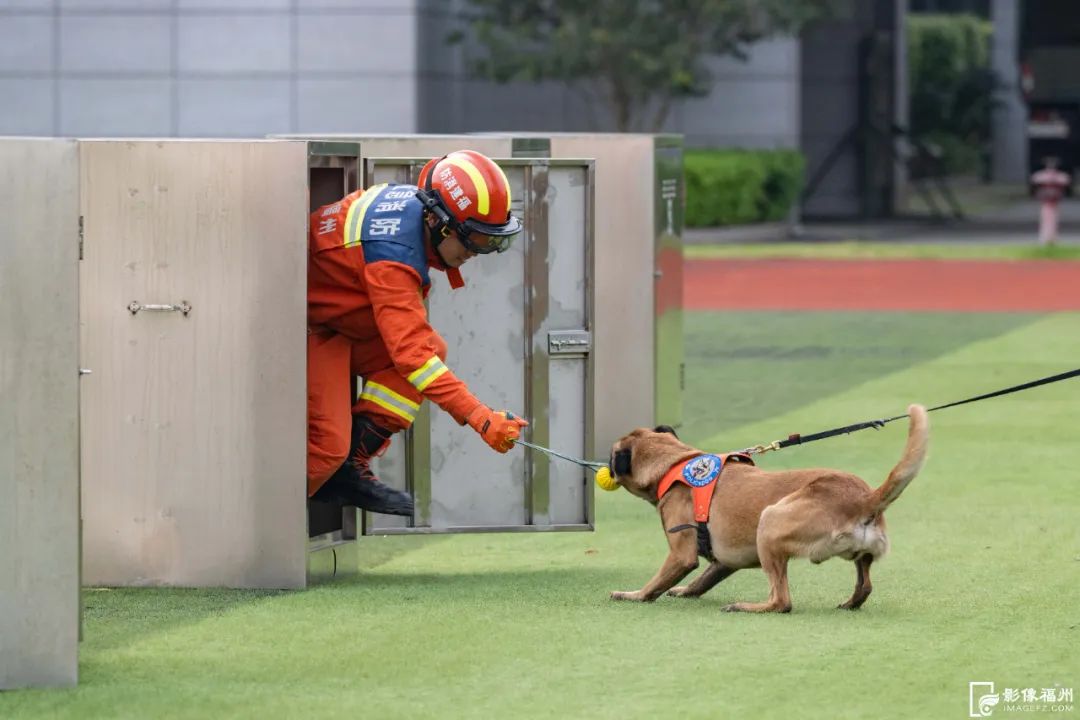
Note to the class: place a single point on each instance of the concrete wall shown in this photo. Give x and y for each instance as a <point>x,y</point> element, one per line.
<point>1010,114</point>
<point>197,68</point>
<point>754,103</point>
<point>853,79</point>
<point>234,68</point>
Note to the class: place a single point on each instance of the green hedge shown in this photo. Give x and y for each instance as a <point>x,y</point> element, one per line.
<point>952,86</point>
<point>735,187</point>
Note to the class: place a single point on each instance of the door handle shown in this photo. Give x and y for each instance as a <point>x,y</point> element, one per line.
<point>183,307</point>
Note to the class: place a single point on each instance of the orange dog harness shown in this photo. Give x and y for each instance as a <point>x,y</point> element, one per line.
<point>700,474</point>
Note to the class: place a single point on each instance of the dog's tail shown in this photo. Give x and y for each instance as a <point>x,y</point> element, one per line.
<point>910,462</point>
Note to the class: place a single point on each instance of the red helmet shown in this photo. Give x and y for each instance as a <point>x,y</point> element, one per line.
<point>469,194</point>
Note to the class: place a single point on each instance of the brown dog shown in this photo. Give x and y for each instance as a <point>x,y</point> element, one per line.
<point>761,519</point>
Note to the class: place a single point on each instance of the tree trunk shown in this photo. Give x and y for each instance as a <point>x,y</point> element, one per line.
<point>624,115</point>
<point>622,107</point>
<point>662,113</point>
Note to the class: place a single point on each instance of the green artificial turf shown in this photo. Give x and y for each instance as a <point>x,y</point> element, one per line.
<point>771,362</point>
<point>854,250</point>
<point>983,582</point>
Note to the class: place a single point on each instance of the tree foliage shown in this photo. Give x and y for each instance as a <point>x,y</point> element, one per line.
<point>635,56</point>
<point>952,86</point>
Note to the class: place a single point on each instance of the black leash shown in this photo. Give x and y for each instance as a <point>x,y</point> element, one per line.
<point>798,439</point>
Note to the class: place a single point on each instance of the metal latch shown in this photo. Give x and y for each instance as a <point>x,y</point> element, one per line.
<point>182,307</point>
<point>569,342</point>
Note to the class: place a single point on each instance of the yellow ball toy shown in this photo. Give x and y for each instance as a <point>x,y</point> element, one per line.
<point>604,479</point>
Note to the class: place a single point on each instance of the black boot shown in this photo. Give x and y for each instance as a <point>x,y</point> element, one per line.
<point>355,484</point>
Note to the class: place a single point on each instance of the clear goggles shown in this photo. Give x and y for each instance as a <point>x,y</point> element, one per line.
<point>482,238</point>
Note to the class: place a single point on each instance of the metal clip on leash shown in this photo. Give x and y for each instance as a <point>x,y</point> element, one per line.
<point>758,449</point>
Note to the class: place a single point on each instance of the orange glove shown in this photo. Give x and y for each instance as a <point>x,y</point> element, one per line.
<point>498,429</point>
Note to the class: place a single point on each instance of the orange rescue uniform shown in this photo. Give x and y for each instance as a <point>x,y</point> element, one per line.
<point>367,280</point>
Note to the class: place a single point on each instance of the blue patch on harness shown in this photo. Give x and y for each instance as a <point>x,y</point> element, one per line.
<point>702,470</point>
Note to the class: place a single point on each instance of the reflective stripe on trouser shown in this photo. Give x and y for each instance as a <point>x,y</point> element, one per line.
<point>427,373</point>
<point>389,399</point>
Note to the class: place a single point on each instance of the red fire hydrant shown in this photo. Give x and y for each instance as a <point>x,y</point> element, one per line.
<point>1050,184</point>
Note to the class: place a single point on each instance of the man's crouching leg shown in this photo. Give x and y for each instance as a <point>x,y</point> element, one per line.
<point>355,484</point>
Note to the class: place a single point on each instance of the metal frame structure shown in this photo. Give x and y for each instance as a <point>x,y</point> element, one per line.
<point>40,552</point>
<point>536,353</point>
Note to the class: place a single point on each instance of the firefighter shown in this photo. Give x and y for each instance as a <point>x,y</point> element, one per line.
<point>368,276</point>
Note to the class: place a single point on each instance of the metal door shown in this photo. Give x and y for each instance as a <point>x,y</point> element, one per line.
<point>519,335</point>
<point>625,280</point>
<point>193,311</point>
<point>39,413</point>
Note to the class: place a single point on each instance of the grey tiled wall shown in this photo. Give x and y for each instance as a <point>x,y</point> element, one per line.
<point>754,103</point>
<point>232,68</point>
<point>196,68</point>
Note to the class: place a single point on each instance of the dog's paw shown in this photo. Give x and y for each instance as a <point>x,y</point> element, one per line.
<point>635,596</point>
<point>681,591</point>
<point>733,607</point>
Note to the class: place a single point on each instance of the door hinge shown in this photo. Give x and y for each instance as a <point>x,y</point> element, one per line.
<point>80,237</point>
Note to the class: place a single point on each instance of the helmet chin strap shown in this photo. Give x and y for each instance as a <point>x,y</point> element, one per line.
<point>437,235</point>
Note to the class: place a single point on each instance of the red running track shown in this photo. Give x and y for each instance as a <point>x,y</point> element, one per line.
<point>900,285</point>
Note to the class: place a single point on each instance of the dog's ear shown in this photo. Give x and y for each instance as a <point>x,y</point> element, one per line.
<point>665,429</point>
